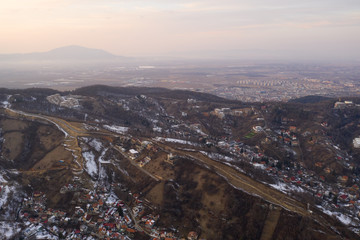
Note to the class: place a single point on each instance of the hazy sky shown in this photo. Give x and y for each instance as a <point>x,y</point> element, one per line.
<point>301,28</point>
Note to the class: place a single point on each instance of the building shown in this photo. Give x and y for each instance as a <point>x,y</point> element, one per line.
<point>133,154</point>
<point>339,105</point>
<point>356,143</point>
<point>192,236</point>
<point>257,128</point>
<point>217,112</point>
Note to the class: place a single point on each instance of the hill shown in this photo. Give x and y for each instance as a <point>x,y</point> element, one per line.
<point>310,99</point>
<point>151,162</point>
<point>102,90</point>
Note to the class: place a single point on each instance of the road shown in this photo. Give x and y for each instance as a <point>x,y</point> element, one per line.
<point>244,182</point>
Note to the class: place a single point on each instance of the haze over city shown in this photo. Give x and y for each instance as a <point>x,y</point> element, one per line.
<point>280,30</point>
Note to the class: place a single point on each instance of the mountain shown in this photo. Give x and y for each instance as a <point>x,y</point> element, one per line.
<point>68,53</point>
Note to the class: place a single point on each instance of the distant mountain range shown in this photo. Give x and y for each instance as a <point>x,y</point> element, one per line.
<point>68,53</point>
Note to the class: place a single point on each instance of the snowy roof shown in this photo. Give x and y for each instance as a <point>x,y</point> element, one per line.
<point>133,151</point>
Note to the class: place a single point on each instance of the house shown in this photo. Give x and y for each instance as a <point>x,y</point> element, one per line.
<point>127,219</point>
<point>343,179</point>
<point>257,128</point>
<point>149,224</point>
<point>319,164</point>
<point>130,230</point>
<point>217,112</point>
<point>192,235</point>
<point>145,144</point>
<point>38,194</point>
<point>324,124</point>
<point>284,120</point>
<point>191,100</point>
<point>344,198</point>
<point>339,105</point>
<point>133,154</point>
<point>292,129</point>
<point>356,143</point>
<point>287,141</point>
<point>237,113</point>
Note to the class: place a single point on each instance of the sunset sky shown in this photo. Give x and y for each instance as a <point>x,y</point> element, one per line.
<point>319,29</point>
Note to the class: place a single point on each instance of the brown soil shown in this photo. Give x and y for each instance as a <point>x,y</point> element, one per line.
<point>53,157</point>
<point>155,195</point>
<point>12,147</point>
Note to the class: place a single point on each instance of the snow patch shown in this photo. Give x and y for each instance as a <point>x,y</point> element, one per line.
<point>111,199</point>
<point>217,156</point>
<point>4,196</point>
<point>2,179</point>
<point>258,165</point>
<point>90,165</point>
<point>340,216</point>
<point>6,103</point>
<point>95,143</point>
<point>343,218</point>
<point>173,140</point>
<point>8,229</point>
<point>117,129</point>
<point>285,188</point>
<point>157,129</point>
<point>102,159</point>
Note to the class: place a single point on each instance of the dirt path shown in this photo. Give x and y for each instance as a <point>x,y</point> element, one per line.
<point>270,223</point>
<point>71,135</point>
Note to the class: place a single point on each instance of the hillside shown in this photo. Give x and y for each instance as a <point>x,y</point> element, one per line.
<point>310,99</point>
<point>135,163</point>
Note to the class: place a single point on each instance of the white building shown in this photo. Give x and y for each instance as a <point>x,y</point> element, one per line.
<point>257,128</point>
<point>339,105</point>
<point>133,154</point>
<point>356,142</point>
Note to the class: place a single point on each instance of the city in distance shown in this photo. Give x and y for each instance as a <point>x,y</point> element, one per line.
<point>70,67</point>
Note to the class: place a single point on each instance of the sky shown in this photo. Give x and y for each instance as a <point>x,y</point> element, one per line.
<point>225,28</point>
